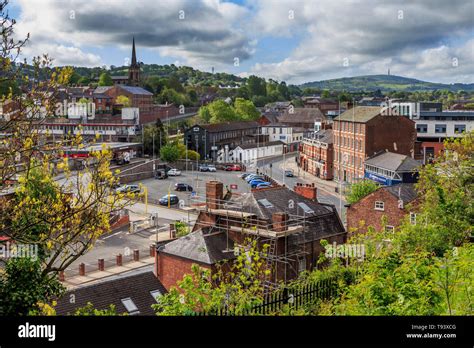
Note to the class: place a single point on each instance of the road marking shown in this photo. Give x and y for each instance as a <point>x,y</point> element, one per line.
<point>113,234</point>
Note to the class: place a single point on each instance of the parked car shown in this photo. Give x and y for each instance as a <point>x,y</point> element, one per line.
<point>264,185</point>
<point>256,181</point>
<point>160,174</point>
<point>255,184</point>
<point>128,188</point>
<point>174,172</point>
<point>203,168</point>
<point>289,173</point>
<point>211,168</point>
<point>182,187</point>
<point>244,175</point>
<point>252,177</point>
<point>173,199</point>
<point>233,167</point>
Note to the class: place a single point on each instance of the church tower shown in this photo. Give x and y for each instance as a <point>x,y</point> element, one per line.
<point>134,69</point>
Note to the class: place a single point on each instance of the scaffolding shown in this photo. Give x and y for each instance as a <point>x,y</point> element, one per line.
<point>286,239</point>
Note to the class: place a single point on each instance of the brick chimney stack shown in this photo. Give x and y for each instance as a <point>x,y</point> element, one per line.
<point>279,221</point>
<point>214,194</point>
<point>308,191</point>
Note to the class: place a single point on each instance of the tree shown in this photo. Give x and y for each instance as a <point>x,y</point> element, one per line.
<point>123,100</point>
<point>105,80</point>
<point>256,86</point>
<point>360,189</point>
<point>169,153</point>
<point>245,110</point>
<point>220,112</point>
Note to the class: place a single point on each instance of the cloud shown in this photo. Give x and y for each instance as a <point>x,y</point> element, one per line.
<point>190,30</point>
<point>371,36</point>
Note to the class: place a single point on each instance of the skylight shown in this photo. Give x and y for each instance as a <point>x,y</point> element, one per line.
<point>265,202</point>
<point>156,294</point>
<point>305,207</point>
<point>130,306</point>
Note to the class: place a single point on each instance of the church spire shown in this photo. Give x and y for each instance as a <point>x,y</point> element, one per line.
<point>134,68</point>
<point>134,55</point>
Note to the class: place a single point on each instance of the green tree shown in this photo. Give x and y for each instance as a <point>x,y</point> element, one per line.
<point>105,80</point>
<point>123,100</point>
<point>245,110</point>
<point>220,111</point>
<point>169,153</point>
<point>360,189</point>
<point>256,86</point>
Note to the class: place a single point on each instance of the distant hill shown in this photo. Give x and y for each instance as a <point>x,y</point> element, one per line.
<point>385,83</point>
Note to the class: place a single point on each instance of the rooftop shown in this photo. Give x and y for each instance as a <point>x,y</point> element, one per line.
<point>135,90</point>
<point>136,287</point>
<point>201,246</point>
<point>393,161</point>
<point>360,114</point>
<point>405,192</point>
<point>229,126</point>
<point>256,145</point>
<point>302,115</point>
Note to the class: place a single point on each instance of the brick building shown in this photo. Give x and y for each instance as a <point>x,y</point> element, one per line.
<point>317,154</point>
<point>390,202</point>
<point>292,223</point>
<point>362,132</point>
<point>302,117</point>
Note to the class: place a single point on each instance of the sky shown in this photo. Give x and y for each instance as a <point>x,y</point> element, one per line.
<point>292,40</point>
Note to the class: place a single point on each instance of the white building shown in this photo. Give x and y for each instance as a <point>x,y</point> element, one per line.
<point>249,153</point>
<point>286,134</point>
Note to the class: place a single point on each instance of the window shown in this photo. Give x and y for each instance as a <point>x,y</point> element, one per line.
<point>301,265</point>
<point>156,294</point>
<point>379,205</point>
<point>130,306</point>
<point>440,128</point>
<point>459,128</point>
<point>413,218</point>
<point>422,128</point>
<point>389,228</point>
<point>306,208</point>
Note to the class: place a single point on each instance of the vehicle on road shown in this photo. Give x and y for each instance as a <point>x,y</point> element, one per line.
<point>182,187</point>
<point>161,174</point>
<point>255,184</point>
<point>174,172</point>
<point>233,168</point>
<point>207,168</point>
<point>128,189</point>
<point>289,173</point>
<point>173,200</point>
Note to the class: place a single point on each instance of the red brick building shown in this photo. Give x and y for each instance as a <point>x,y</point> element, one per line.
<point>324,105</point>
<point>291,222</point>
<point>362,132</point>
<point>317,154</point>
<point>390,202</point>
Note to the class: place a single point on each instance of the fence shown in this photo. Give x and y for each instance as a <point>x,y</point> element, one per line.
<point>295,297</point>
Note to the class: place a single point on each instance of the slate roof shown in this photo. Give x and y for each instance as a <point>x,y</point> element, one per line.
<point>112,290</point>
<point>271,116</point>
<point>135,90</point>
<point>119,77</point>
<point>280,198</point>
<point>405,192</point>
<point>360,114</point>
<point>201,246</point>
<point>302,115</point>
<point>255,145</point>
<point>229,126</point>
<point>323,135</point>
<point>393,161</point>
<point>102,89</point>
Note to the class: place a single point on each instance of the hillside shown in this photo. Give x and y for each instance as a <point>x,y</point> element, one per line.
<point>385,83</point>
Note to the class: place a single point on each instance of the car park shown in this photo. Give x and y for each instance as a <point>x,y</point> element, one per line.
<point>128,189</point>
<point>182,187</point>
<point>174,172</point>
<point>169,200</point>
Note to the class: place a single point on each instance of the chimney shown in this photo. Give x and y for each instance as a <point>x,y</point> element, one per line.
<point>308,191</point>
<point>214,194</point>
<point>279,221</point>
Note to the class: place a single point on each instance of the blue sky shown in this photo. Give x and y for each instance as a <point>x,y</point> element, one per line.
<point>292,40</point>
